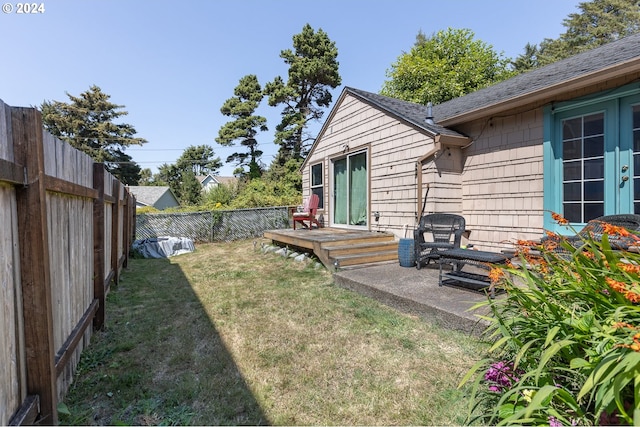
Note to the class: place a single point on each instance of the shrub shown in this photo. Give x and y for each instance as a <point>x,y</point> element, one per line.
<point>220,197</point>
<point>146,210</point>
<point>565,339</point>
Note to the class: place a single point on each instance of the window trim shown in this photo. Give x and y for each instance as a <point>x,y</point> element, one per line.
<point>320,186</point>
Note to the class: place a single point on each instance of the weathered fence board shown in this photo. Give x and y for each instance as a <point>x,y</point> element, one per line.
<point>64,235</point>
<point>12,370</point>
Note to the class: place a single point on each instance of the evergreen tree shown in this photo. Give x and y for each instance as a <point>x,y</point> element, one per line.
<point>88,124</point>
<point>446,65</point>
<point>528,60</point>
<point>181,176</point>
<point>199,159</point>
<point>313,69</point>
<point>599,22</point>
<point>146,177</point>
<point>190,189</point>
<point>245,127</point>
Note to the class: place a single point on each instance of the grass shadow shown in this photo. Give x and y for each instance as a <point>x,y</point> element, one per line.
<point>160,359</point>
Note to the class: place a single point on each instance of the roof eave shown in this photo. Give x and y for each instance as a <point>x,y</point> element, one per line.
<point>545,94</point>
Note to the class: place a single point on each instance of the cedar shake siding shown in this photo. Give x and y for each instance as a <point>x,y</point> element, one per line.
<point>496,156</point>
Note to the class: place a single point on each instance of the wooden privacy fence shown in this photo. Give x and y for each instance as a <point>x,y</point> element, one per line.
<point>66,227</point>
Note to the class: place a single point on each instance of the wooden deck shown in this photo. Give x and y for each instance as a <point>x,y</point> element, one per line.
<point>339,248</point>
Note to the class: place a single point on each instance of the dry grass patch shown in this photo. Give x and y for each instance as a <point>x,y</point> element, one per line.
<point>228,335</point>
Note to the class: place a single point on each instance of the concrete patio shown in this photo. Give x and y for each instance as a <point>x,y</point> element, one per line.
<point>417,292</point>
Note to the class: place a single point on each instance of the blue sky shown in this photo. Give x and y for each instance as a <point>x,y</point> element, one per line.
<point>172,64</point>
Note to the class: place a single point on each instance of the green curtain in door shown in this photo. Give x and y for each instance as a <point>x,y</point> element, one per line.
<point>358,189</point>
<point>340,182</point>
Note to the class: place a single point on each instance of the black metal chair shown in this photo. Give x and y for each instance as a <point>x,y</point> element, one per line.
<point>446,233</point>
<point>595,229</point>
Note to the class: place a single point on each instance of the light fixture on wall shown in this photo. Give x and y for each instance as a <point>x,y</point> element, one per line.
<point>345,148</point>
<point>376,216</point>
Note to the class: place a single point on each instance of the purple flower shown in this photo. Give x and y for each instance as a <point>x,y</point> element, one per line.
<point>553,422</point>
<point>500,375</point>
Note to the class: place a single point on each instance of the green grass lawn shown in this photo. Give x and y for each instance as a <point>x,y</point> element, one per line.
<point>228,335</point>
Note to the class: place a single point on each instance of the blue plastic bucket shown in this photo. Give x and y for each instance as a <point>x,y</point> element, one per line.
<point>406,253</point>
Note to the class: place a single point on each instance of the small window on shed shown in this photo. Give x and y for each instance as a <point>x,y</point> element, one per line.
<point>317,186</point>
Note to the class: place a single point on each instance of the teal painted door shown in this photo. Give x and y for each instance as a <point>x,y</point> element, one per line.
<point>599,148</point>
<point>629,166</point>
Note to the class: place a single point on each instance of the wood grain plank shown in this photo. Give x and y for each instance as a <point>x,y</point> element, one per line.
<point>26,125</point>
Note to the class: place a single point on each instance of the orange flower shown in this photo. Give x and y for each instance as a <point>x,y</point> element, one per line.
<point>559,218</point>
<point>629,268</point>
<point>550,245</point>
<point>615,230</point>
<point>616,285</point>
<point>528,243</point>
<point>618,325</point>
<point>496,274</point>
<point>632,296</point>
<point>524,250</point>
<point>552,235</point>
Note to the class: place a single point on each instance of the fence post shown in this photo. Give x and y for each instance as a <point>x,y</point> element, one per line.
<point>98,245</point>
<point>126,229</point>
<point>115,232</point>
<point>35,272</point>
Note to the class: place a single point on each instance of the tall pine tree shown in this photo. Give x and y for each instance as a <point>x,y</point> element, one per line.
<point>245,127</point>
<point>598,22</point>
<point>313,69</point>
<point>88,124</point>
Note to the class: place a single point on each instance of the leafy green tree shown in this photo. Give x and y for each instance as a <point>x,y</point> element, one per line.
<point>286,178</point>
<point>313,69</point>
<point>599,22</point>
<point>245,127</point>
<point>220,196</point>
<point>199,159</point>
<point>262,193</point>
<point>88,124</point>
<point>181,176</point>
<point>446,65</point>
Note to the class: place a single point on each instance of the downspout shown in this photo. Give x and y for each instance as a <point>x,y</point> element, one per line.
<point>437,147</point>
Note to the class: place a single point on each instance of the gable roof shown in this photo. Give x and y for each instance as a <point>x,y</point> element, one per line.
<point>149,195</point>
<point>226,179</point>
<point>216,178</point>
<point>542,85</point>
<point>413,113</point>
<point>608,61</point>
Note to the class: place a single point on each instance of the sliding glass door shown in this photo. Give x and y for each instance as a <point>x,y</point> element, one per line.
<point>350,190</point>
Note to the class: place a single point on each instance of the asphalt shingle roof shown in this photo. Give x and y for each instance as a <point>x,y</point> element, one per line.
<point>148,195</point>
<point>555,74</point>
<point>415,114</point>
<point>583,64</point>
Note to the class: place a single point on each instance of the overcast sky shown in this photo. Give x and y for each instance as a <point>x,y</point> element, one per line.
<point>172,64</point>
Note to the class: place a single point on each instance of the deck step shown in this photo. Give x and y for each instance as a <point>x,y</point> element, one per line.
<point>365,258</point>
<point>360,248</point>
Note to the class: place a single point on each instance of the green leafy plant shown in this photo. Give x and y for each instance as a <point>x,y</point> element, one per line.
<point>565,338</point>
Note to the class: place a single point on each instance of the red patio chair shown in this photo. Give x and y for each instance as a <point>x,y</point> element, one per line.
<point>310,209</point>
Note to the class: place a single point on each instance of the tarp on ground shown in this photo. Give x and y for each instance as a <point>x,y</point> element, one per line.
<point>163,247</point>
